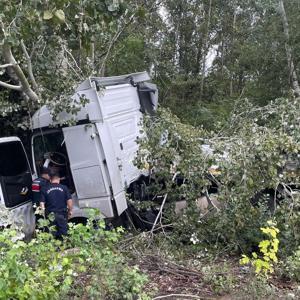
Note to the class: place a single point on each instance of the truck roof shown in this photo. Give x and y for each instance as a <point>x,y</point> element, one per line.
<point>114,80</point>
<point>92,89</point>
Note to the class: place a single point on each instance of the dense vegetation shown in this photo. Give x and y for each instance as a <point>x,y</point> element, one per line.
<point>86,264</point>
<point>205,54</point>
<point>227,73</point>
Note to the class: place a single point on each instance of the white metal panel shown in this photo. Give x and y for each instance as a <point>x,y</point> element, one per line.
<point>93,109</point>
<point>101,203</point>
<point>1,196</point>
<point>111,157</point>
<point>121,202</point>
<point>120,99</point>
<point>24,216</point>
<point>114,80</point>
<point>114,166</point>
<point>80,207</point>
<point>125,129</point>
<point>89,182</point>
<point>120,106</point>
<point>119,96</point>
<point>86,164</point>
<point>9,139</point>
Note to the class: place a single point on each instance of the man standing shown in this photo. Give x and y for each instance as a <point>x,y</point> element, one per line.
<point>37,186</point>
<point>57,199</point>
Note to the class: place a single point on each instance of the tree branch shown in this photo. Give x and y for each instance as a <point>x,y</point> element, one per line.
<point>29,66</point>
<point>19,73</point>
<point>75,63</point>
<point>112,42</point>
<point>185,296</point>
<point>5,66</point>
<point>10,86</point>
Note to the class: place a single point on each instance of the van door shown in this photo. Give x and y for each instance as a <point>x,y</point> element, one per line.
<point>15,181</point>
<point>15,173</point>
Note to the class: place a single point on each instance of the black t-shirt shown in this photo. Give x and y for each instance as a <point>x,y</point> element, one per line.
<point>55,197</point>
<point>37,186</point>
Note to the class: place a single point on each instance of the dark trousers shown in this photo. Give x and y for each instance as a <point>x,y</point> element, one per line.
<point>60,223</point>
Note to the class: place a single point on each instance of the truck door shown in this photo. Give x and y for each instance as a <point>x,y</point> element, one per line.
<point>93,181</point>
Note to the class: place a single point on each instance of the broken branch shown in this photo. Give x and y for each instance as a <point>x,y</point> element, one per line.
<point>184,296</point>
<point>5,66</point>
<point>159,213</point>
<point>112,42</point>
<point>10,86</point>
<point>161,207</point>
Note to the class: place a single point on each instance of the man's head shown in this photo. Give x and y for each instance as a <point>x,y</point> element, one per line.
<point>54,176</point>
<point>45,173</point>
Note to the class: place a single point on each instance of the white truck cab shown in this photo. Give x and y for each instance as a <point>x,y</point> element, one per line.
<point>95,156</point>
<point>15,183</point>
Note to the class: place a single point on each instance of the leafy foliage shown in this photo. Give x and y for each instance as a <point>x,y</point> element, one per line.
<point>291,266</point>
<point>46,268</point>
<point>264,261</point>
<point>49,47</point>
<point>254,153</point>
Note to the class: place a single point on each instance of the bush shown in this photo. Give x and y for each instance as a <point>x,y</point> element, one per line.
<point>291,266</point>
<point>85,263</point>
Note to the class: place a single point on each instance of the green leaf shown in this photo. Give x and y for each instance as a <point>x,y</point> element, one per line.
<point>47,15</point>
<point>244,260</point>
<point>60,15</point>
<point>65,261</point>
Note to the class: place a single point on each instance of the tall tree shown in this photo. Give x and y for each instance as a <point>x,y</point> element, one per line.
<point>293,74</point>
<point>47,47</point>
<point>205,48</point>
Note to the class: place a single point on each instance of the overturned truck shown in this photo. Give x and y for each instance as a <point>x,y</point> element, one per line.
<point>95,157</point>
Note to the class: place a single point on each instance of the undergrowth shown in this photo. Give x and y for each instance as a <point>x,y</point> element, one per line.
<point>85,264</point>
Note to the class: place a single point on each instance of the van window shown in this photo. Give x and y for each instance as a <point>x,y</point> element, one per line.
<point>13,160</point>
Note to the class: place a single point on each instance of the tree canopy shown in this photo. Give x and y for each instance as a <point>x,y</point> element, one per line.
<point>210,52</point>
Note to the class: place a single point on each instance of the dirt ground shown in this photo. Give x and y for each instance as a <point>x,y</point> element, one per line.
<point>173,280</point>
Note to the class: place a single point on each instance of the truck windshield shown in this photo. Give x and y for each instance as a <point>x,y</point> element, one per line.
<point>47,143</point>
<point>13,160</point>
<point>51,146</point>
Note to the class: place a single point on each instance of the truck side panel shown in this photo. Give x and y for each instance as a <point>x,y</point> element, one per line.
<point>113,167</point>
<point>121,112</point>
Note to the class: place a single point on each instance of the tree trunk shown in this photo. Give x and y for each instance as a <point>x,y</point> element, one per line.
<point>293,74</point>
<point>205,50</point>
<point>232,41</point>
